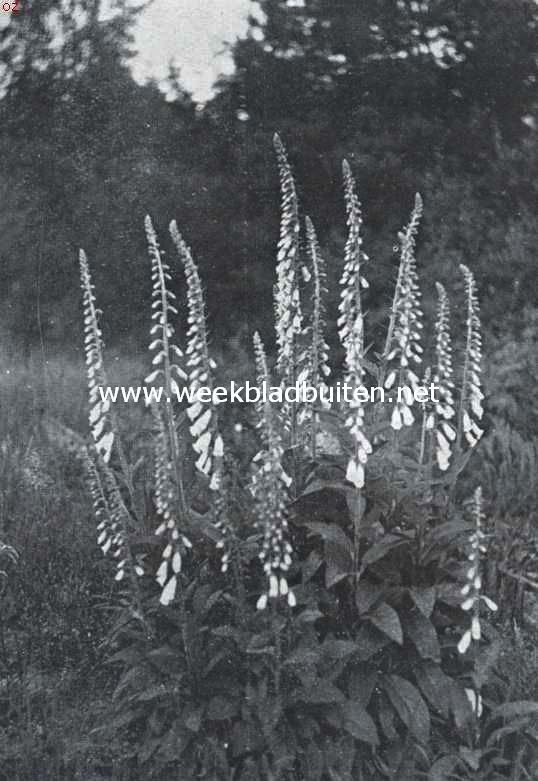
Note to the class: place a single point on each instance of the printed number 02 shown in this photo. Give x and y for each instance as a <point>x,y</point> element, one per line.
<point>10,6</point>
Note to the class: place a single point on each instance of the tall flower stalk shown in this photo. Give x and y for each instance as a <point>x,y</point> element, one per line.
<point>166,354</point>
<point>444,408</point>
<point>351,333</point>
<point>352,281</point>
<point>114,526</point>
<point>403,350</point>
<point>317,368</point>
<point>168,504</point>
<point>471,395</point>
<point>207,441</point>
<point>270,485</point>
<point>472,590</point>
<point>167,357</point>
<point>103,424</point>
<point>351,327</point>
<point>473,598</point>
<point>100,420</point>
<point>287,303</point>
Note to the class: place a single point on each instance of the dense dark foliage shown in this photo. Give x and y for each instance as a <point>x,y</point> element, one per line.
<point>435,96</point>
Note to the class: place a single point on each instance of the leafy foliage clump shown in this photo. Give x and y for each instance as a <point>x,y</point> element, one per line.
<point>321,613</point>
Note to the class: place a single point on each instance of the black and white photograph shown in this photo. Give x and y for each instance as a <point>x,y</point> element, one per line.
<point>268,390</point>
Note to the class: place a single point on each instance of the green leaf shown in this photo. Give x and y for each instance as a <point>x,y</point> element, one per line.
<point>424,599</point>
<point>333,716</point>
<point>201,598</point>
<point>309,615</point>
<point>359,723</point>
<point>330,532</point>
<point>334,650</point>
<point>303,657</point>
<point>164,658</point>
<point>369,641</point>
<point>472,757</point>
<point>245,738</point>
<point>385,618</point>
<point>422,634</point>
<point>381,549</point>
<point>259,644</point>
<point>435,686</point>
<point>409,705</point>
<point>339,563</point>
<point>156,692</point>
<point>517,725</point>
<point>387,719</point>
<point>459,705</point>
<point>314,762</point>
<point>221,708</point>
<point>321,692</point>
<point>485,662</point>
<point>443,768</point>
<point>450,594</point>
<point>123,720</point>
<point>515,709</point>
<point>213,599</point>
<point>448,531</point>
<point>173,744</point>
<point>147,749</point>
<point>366,595</point>
<point>222,656</point>
<point>361,684</point>
<point>192,717</point>
<point>311,565</point>
<point>250,771</point>
<point>230,632</point>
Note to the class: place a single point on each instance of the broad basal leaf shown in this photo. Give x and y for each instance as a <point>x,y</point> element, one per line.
<point>424,599</point>
<point>366,595</point>
<point>435,686</point>
<point>385,618</point>
<point>409,705</point>
<point>321,692</point>
<point>422,634</point>
<point>359,723</point>
<point>339,563</point>
<point>511,710</point>
<point>381,549</point>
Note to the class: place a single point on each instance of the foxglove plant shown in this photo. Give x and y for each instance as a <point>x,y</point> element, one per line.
<point>472,590</point>
<point>166,354</point>
<point>167,357</point>
<point>207,441</point>
<point>177,542</point>
<point>352,281</point>
<point>288,315</point>
<point>109,535</point>
<point>316,368</point>
<point>101,426</point>
<point>287,303</point>
<point>113,518</point>
<point>444,409</point>
<point>351,328</point>
<point>269,488</point>
<point>428,420</point>
<point>402,348</point>
<point>354,421</point>
<point>471,395</point>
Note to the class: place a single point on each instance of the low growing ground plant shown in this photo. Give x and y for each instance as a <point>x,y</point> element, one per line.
<point>303,597</point>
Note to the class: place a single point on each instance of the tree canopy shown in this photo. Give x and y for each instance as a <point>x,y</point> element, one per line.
<point>436,96</point>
